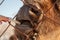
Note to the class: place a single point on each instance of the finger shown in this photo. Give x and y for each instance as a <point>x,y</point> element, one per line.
<point>0,22</point>
<point>5,20</point>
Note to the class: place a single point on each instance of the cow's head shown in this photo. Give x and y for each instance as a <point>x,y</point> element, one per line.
<point>40,4</point>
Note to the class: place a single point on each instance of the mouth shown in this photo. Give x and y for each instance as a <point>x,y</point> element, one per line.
<point>36,7</point>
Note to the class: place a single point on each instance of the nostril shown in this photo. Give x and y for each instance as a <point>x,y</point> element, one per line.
<point>53,1</point>
<point>35,11</point>
<point>56,7</point>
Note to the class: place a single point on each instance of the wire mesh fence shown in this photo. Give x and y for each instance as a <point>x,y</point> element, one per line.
<point>18,29</point>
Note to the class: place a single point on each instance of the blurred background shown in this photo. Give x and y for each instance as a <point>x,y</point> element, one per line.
<point>9,8</point>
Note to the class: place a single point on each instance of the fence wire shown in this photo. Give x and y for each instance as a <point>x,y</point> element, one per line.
<point>1,2</point>
<point>19,30</point>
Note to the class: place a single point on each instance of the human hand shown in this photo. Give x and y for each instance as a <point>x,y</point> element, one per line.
<point>3,18</point>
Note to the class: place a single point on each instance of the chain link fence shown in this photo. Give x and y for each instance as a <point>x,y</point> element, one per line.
<point>16,28</point>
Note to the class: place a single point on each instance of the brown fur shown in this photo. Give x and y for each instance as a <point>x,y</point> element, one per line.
<point>49,29</point>
<point>51,23</point>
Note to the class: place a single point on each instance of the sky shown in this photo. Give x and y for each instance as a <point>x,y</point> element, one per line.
<point>9,8</point>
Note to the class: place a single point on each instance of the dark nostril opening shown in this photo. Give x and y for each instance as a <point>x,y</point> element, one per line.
<point>56,7</point>
<point>35,11</point>
<point>53,1</point>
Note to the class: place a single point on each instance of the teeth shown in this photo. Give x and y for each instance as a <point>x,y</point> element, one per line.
<point>33,14</point>
<point>37,5</point>
<point>40,18</point>
<point>35,34</point>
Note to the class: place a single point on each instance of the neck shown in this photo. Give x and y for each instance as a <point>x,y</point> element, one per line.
<point>53,14</point>
<point>51,21</point>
